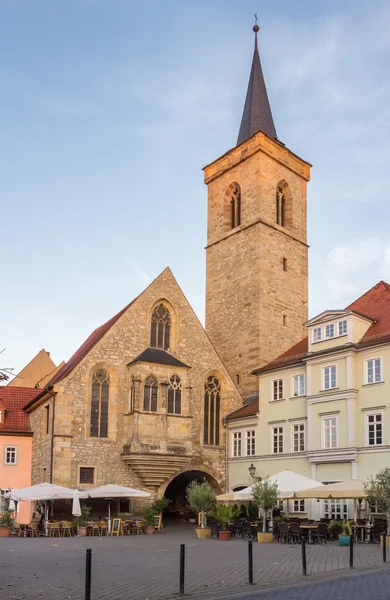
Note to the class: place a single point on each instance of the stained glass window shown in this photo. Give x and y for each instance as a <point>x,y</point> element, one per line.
<point>99,404</point>
<point>212,409</point>
<point>161,327</point>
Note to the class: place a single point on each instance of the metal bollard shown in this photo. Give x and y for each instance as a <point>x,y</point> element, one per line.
<point>384,541</point>
<point>250,562</point>
<point>304,556</point>
<point>182,567</point>
<point>351,551</point>
<point>88,571</point>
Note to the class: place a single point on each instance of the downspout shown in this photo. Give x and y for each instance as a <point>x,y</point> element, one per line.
<point>226,455</point>
<point>52,436</point>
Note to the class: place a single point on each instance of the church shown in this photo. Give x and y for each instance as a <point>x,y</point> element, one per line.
<point>142,403</point>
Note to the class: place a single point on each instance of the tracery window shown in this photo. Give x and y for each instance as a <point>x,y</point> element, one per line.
<point>161,327</point>
<point>99,403</point>
<point>150,393</point>
<point>280,207</point>
<point>174,395</point>
<point>212,409</point>
<point>235,207</point>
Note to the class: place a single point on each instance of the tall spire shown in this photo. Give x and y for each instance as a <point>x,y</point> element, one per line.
<point>257,115</point>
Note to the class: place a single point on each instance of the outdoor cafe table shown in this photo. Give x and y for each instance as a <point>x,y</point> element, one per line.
<point>310,528</point>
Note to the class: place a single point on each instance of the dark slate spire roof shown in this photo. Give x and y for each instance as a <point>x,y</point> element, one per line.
<point>257,115</point>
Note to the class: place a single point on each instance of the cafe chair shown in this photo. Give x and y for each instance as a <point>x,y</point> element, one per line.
<point>55,529</point>
<point>103,528</point>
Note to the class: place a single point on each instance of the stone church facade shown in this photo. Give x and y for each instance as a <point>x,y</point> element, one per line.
<point>142,402</point>
<point>139,403</point>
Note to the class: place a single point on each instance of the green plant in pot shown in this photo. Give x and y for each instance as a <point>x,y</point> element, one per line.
<point>201,498</point>
<point>265,496</point>
<point>6,522</point>
<point>341,529</point>
<point>150,515</point>
<point>160,505</point>
<point>223,514</point>
<point>83,519</point>
<point>378,490</point>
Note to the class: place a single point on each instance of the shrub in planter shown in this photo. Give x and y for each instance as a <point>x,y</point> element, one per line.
<point>343,531</point>
<point>378,490</point>
<point>83,519</point>
<point>201,498</point>
<point>6,522</point>
<point>150,515</point>
<point>223,514</point>
<point>160,505</point>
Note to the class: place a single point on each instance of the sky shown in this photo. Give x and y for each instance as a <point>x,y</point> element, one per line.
<point>109,111</point>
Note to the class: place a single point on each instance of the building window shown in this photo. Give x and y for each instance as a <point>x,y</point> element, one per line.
<point>284,320</point>
<point>317,334</point>
<point>237,449</point>
<point>132,396</point>
<point>374,429</point>
<point>298,385</point>
<point>174,395</point>
<point>235,207</point>
<point>329,433</point>
<point>335,509</point>
<point>280,207</point>
<point>343,328</point>
<point>277,389</point>
<point>373,370</point>
<point>44,475</point>
<point>46,419</point>
<point>87,475</point>
<point>212,408</point>
<point>377,507</point>
<point>150,393</point>
<point>99,404</point>
<point>10,455</point>
<point>329,375</point>
<point>285,264</point>
<point>160,328</point>
<point>329,331</point>
<point>298,431</point>
<point>299,506</point>
<point>250,442</point>
<point>277,439</point>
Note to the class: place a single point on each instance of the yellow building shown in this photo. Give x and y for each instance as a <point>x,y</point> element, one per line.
<point>322,409</point>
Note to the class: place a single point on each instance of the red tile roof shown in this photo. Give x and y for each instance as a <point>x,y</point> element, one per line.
<point>374,304</point>
<point>13,400</point>
<point>248,410</point>
<point>81,353</point>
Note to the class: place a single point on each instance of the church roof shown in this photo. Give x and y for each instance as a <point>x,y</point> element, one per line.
<point>158,357</point>
<point>257,115</point>
<point>374,304</point>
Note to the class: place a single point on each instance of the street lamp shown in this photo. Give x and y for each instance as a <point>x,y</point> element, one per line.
<point>252,470</point>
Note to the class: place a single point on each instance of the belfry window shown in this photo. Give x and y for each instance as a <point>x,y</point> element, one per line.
<point>161,327</point>
<point>212,409</point>
<point>150,393</point>
<point>99,404</point>
<point>235,207</point>
<point>174,395</point>
<point>280,207</point>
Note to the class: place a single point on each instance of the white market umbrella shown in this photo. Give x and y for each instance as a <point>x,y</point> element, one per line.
<point>11,506</point>
<point>76,508</point>
<point>289,483</point>
<point>344,490</point>
<point>110,491</point>
<point>43,491</point>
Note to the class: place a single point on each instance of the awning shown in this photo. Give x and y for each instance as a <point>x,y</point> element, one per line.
<point>344,490</point>
<point>288,483</point>
<point>226,497</point>
<point>116,491</point>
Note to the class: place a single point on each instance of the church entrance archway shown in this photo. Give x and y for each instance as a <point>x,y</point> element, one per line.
<point>176,492</point>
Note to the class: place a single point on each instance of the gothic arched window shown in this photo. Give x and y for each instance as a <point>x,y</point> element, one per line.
<point>235,207</point>
<point>99,404</point>
<point>212,409</point>
<point>174,395</point>
<point>283,212</point>
<point>150,393</point>
<point>161,327</point>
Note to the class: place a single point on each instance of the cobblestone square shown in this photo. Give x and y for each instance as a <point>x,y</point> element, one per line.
<point>147,567</point>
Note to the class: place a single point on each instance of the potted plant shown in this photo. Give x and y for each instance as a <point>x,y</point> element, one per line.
<point>223,514</point>
<point>265,496</point>
<point>150,515</point>
<point>83,519</point>
<point>6,522</point>
<point>343,531</point>
<point>192,516</point>
<point>201,498</point>
<point>160,505</point>
<point>378,489</point>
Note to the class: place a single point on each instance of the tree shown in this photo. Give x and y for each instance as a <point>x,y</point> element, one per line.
<point>200,497</point>
<point>5,372</point>
<point>265,496</point>
<point>378,490</point>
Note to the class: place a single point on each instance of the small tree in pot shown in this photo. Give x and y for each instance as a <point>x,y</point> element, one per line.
<point>150,515</point>
<point>83,519</point>
<point>223,514</point>
<point>265,496</point>
<point>378,490</point>
<point>201,498</point>
<point>6,522</point>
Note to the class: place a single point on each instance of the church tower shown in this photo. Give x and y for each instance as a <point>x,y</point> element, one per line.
<point>257,253</point>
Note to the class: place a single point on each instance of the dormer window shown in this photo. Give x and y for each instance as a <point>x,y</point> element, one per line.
<point>317,334</point>
<point>329,330</point>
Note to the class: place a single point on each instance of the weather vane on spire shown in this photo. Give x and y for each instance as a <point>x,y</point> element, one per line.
<point>256,27</point>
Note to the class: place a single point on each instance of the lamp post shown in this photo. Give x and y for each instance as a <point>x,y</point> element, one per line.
<point>252,473</point>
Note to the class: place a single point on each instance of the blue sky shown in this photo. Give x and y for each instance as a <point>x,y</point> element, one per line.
<point>109,111</point>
